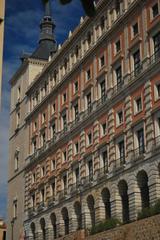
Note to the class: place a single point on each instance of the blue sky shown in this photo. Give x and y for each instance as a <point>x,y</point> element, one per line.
<point>21,35</point>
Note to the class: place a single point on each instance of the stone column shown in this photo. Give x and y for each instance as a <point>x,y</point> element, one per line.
<point>99,210</point>
<point>116,204</point>
<point>154,185</point>
<point>134,196</point>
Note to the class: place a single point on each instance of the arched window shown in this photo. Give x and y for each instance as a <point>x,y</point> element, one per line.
<point>142,179</point>
<point>106,200</point>
<point>66,220</point>
<point>78,212</point>
<point>54,225</point>
<point>43,227</point>
<point>91,206</point>
<point>123,191</point>
<point>33,230</point>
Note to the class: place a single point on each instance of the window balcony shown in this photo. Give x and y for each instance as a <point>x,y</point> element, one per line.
<point>51,201</point>
<point>31,212</point>
<point>155,57</point>
<point>118,87</point>
<point>102,100</point>
<point>74,188</point>
<point>102,172</point>
<point>88,180</point>
<point>88,111</point>
<point>136,72</point>
<point>41,206</point>
<point>138,153</point>
<point>63,194</point>
<point>119,163</point>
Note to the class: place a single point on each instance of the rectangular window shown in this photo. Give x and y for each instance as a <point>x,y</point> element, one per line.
<point>137,62</point>
<point>103,129</point>
<point>135,29</point>
<point>16,162</point>
<point>103,90</point>
<point>64,97</point>
<point>121,151</point>
<point>156,42</point>
<point>88,74</point>
<point>119,76</point>
<point>77,175</point>
<point>89,103</point>
<point>64,118</point>
<point>43,117</point>
<point>90,169</point>
<point>138,105</point>
<point>34,145</point>
<point>105,160</point>
<point>65,182</point>
<point>64,156</point>
<point>89,139</point>
<point>76,148</point>
<point>101,61</point>
<point>140,137</point>
<point>15,208</point>
<point>120,118</point>
<point>53,165</point>
<point>76,87</point>
<point>117,46</point>
<point>76,112</point>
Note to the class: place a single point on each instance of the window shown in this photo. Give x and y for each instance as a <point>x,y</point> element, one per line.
<point>18,119</point>
<point>76,87</point>
<point>35,126</point>
<point>53,108</point>
<point>102,23</point>
<point>64,97</point>
<point>42,194</point>
<point>140,138</point>
<point>15,208</point>
<point>89,103</point>
<point>42,171</point>
<point>18,93</point>
<point>90,169</point>
<point>53,188</point>
<point>157,91</point>
<point>65,182</point>
<point>43,138</point>
<point>117,8</point>
<point>103,129</point>
<point>119,75</point>
<point>103,90</point>
<point>53,165</point>
<point>101,61</point>
<point>135,29</point>
<point>117,46</point>
<point>121,151</point>
<point>77,175</point>
<point>138,105</point>
<point>119,117</point>
<point>16,161</point>
<point>89,38</point>
<point>34,145</point>
<point>156,42</point>
<point>43,117</point>
<point>88,74</point>
<point>104,159</point>
<point>64,118</point>
<point>64,156</point>
<point>76,112</point>
<point>33,200</point>
<point>89,139</point>
<point>53,129</point>
<point>137,61</point>
<point>76,148</point>
<point>33,177</point>
<point>155,10</point>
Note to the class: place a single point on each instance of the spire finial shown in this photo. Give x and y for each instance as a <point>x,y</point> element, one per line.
<point>47,7</point>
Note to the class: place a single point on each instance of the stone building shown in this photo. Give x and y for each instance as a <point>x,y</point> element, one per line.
<point>2,230</point>
<point>85,123</point>
<point>2,7</point>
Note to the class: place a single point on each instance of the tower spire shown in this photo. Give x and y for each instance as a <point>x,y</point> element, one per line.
<point>47,43</point>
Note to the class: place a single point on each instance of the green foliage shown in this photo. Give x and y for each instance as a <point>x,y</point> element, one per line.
<point>105,225</point>
<point>151,211</point>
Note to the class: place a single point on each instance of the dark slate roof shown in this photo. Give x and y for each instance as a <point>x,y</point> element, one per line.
<point>44,50</point>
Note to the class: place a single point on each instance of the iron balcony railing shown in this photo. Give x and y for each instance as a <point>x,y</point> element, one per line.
<point>155,57</point>
<point>63,193</point>
<point>138,152</point>
<point>102,171</point>
<point>102,100</point>
<point>136,72</point>
<point>119,162</point>
<point>31,211</point>
<point>88,111</point>
<point>118,87</point>
<point>74,188</point>
<point>88,179</point>
<point>51,200</point>
<point>41,206</point>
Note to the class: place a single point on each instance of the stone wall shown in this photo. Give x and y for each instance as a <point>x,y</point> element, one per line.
<point>146,229</point>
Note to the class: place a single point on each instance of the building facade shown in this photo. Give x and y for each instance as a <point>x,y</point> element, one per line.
<point>2,9</point>
<point>88,139</point>
<point>2,230</point>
